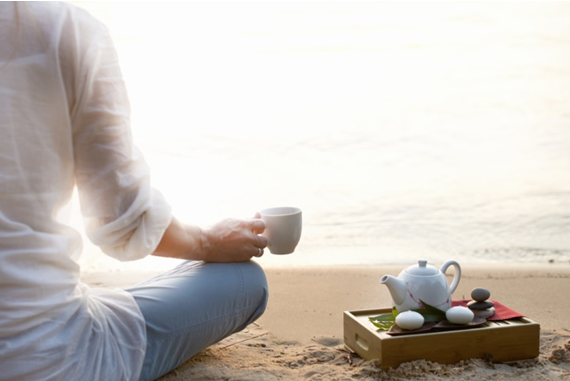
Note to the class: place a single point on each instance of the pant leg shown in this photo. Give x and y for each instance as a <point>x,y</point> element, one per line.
<point>196,305</point>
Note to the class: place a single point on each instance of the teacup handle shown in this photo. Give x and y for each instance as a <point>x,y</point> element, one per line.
<point>456,276</point>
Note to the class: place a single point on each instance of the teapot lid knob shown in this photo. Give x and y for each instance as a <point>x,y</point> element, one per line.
<point>422,269</point>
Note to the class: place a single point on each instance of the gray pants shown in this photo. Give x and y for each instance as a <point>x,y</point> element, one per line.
<point>196,305</point>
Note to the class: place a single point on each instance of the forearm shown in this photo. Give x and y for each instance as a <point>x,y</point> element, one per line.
<point>182,241</point>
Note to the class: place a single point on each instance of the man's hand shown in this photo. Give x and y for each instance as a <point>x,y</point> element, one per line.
<point>232,240</point>
<point>229,240</point>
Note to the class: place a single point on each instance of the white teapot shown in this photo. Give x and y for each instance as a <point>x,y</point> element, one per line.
<point>422,283</point>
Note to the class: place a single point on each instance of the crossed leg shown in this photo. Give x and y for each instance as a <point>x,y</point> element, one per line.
<point>196,305</point>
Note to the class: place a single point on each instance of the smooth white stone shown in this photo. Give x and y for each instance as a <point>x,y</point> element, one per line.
<point>459,315</point>
<point>409,320</point>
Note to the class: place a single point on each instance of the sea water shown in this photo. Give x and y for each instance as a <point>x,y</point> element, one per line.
<point>403,130</point>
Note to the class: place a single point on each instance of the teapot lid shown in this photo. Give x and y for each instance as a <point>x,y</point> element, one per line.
<point>422,269</point>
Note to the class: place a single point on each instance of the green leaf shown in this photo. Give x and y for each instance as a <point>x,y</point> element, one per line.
<point>432,310</point>
<point>385,321</point>
<point>383,317</point>
<point>430,313</point>
<point>382,326</point>
<point>395,311</point>
<point>432,318</point>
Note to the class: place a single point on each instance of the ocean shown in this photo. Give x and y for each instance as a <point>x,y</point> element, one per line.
<point>404,130</point>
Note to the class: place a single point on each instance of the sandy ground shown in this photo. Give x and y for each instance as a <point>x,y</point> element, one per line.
<point>300,337</point>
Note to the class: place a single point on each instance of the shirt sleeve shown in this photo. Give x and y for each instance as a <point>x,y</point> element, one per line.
<point>123,215</point>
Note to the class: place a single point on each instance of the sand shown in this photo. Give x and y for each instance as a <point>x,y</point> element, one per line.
<point>300,337</point>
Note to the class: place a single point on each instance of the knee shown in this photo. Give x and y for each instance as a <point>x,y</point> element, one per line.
<point>256,286</point>
<point>255,273</point>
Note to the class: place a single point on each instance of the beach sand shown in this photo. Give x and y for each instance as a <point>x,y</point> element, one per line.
<point>300,336</point>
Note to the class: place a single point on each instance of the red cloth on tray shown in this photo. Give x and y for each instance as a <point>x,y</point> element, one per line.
<point>502,312</point>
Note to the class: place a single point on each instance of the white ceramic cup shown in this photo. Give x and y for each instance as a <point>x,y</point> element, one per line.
<point>283,227</point>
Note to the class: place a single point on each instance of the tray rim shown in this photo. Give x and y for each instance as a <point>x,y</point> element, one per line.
<point>383,335</point>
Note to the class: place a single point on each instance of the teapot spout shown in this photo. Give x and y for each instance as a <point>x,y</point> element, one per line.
<point>397,288</point>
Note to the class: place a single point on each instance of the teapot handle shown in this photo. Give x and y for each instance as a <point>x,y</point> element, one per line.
<point>456,276</point>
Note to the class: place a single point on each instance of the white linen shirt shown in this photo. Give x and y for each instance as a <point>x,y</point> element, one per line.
<point>64,121</point>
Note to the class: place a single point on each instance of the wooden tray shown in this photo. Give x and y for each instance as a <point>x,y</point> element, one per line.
<point>501,341</point>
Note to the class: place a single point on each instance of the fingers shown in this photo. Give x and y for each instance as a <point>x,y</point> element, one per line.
<point>257,226</point>
<point>260,241</point>
<point>259,252</point>
<point>237,240</point>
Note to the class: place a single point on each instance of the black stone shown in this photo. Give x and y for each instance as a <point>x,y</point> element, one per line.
<point>479,306</point>
<point>480,294</point>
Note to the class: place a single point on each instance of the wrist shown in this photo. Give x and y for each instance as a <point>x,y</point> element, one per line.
<point>205,243</point>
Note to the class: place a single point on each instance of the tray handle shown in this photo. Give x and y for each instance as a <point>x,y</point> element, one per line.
<point>361,342</point>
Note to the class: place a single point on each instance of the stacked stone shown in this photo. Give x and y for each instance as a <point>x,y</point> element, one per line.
<point>480,305</point>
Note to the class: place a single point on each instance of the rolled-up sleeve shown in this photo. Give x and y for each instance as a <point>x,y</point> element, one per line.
<point>123,214</point>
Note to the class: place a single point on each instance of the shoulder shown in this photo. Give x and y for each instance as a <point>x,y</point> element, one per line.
<point>60,19</point>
